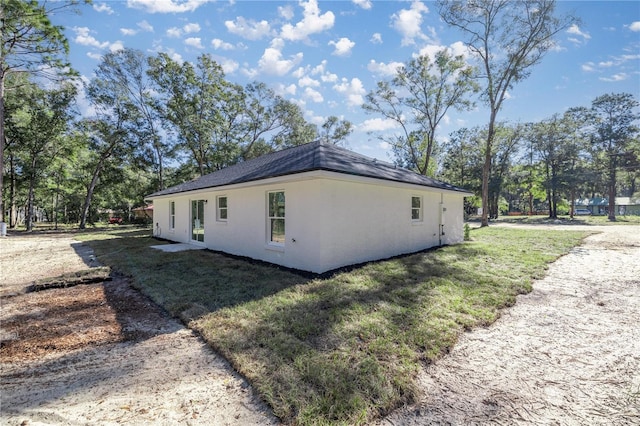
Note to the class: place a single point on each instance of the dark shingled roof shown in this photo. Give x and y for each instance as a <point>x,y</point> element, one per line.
<point>306,158</point>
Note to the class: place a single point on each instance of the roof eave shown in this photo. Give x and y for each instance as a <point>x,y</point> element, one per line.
<point>327,169</point>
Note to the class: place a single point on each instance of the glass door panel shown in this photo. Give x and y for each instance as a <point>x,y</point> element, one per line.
<point>197,220</point>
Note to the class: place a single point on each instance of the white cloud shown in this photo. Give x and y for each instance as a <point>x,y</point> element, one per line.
<point>94,55</point>
<point>380,68</point>
<point>605,64</point>
<point>459,49</point>
<point>385,145</point>
<point>174,32</point>
<point>219,44</point>
<point>191,28</point>
<point>329,77</point>
<point>342,47</point>
<point>430,50</point>
<point>616,77</point>
<point>376,38</point>
<point>159,48</point>
<point>176,57</point>
<point>318,120</point>
<point>282,90</point>
<point>352,90</point>
<point>115,46</point>
<point>300,72</point>
<point>312,22</point>
<point>313,95</point>
<point>588,67</point>
<point>286,12</point>
<point>145,26</point>
<point>248,28</point>
<point>377,125</point>
<point>320,68</point>
<point>307,81</point>
<point>194,42</point>
<point>456,49</point>
<point>365,4</point>
<point>84,38</point>
<point>408,22</point>
<point>128,31</point>
<point>229,66</point>
<point>576,31</point>
<point>86,108</point>
<point>166,6</point>
<point>635,26</point>
<point>103,7</point>
<point>325,76</point>
<point>556,47</point>
<point>271,61</point>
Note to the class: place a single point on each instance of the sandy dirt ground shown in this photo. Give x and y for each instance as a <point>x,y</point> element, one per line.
<point>568,353</point>
<point>102,353</point>
<point>30,257</point>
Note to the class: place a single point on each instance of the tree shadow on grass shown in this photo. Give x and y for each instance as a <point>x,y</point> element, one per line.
<point>352,343</point>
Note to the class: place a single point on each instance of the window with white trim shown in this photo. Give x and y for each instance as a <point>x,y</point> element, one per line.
<point>172,215</point>
<point>221,208</point>
<point>275,217</point>
<point>416,209</point>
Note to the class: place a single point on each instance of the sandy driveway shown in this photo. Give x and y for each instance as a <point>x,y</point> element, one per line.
<point>568,353</point>
<point>102,353</point>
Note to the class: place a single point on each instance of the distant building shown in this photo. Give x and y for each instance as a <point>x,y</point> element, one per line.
<point>600,206</point>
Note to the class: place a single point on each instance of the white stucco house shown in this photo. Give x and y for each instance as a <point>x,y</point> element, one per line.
<point>315,207</point>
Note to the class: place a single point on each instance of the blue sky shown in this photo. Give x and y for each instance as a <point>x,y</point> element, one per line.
<point>325,56</point>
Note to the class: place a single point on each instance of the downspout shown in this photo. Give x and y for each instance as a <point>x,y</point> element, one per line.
<point>441,219</point>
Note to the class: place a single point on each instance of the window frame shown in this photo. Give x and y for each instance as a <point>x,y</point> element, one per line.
<point>172,215</point>
<point>220,209</point>
<point>276,217</point>
<point>418,209</point>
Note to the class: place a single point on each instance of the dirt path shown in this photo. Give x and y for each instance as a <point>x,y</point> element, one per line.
<point>102,353</point>
<point>568,353</point>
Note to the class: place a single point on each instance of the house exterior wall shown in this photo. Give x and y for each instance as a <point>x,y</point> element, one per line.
<point>329,222</point>
<point>363,222</point>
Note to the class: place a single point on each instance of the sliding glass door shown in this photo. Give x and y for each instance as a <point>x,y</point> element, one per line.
<point>197,220</point>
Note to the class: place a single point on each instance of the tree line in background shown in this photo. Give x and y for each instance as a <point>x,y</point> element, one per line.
<point>546,166</point>
<point>153,122</point>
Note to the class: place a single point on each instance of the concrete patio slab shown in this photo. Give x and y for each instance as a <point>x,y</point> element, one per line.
<point>173,248</point>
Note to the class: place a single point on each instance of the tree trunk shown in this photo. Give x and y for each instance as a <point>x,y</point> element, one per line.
<point>486,170</point>
<point>572,209</point>
<point>13,209</point>
<point>554,195</point>
<point>612,193</point>
<point>56,200</point>
<point>90,189</point>
<point>30,200</point>
<point>2,78</point>
<point>160,168</point>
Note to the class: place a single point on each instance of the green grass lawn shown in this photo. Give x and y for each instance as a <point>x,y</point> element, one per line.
<point>566,220</point>
<point>345,349</point>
